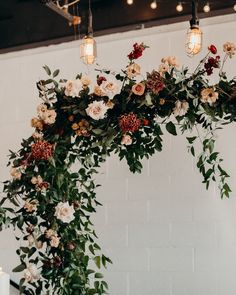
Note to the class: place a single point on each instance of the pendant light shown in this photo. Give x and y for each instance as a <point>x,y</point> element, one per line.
<point>88,47</point>
<point>194,34</point>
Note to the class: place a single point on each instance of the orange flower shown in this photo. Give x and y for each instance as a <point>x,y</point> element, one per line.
<point>138,89</point>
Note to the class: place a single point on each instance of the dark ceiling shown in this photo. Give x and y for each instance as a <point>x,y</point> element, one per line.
<point>29,23</point>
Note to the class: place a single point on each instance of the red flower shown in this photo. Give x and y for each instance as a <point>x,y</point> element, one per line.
<point>145,122</point>
<point>211,64</point>
<point>129,123</point>
<point>137,51</point>
<point>212,49</point>
<point>41,150</point>
<point>100,79</point>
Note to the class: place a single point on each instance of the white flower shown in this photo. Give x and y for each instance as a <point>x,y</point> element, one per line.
<point>163,68</point>
<point>30,239</point>
<point>54,241</point>
<point>31,273</point>
<point>171,61</point>
<point>85,81</point>
<point>73,87</point>
<point>181,108</point>
<point>64,212</point>
<point>133,70</point>
<point>209,95</point>
<point>229,48</point>
<point>109,88</point>
<point>49,233</point>
<point>49,117</point>
<point>126,139</point>
<point>37,135</point>
<point>41,109</point>
<point>97,110</point>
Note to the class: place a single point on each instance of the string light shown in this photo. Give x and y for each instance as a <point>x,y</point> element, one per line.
<point>207,7</point>
<point>179,7</point>
<point>153,5</point>
<point>130,2</point>
<point>234,7</point>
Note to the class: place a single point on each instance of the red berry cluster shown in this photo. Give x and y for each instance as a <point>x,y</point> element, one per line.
<point>211,64</point>
<point>41,150</point>
<point>129,123</point>
<point>137,51</point>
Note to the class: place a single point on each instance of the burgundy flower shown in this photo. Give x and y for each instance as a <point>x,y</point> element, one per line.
<point>137,51</point>
<point>100,79</point>
<point>129,123</point>
<point>212,49</point>
<point>154,82</point>
<point>211,64</point>
<point>41,150</point>
<point>57,261</point>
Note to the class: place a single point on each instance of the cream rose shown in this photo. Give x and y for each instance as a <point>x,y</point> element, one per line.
<point>171,61</point>
<point>49,117</point>
<point>49,233</point>
<point>36,179</point>
<point>208,95</point>
<point>133,70</point>
<point>126,139</point>
<point>97,110</point>
<point>54,241</point>
<point>64,212</point>
<point>109,88</point>
<point>138,89</point>
<point>181,108</point>
<point>73,87</point>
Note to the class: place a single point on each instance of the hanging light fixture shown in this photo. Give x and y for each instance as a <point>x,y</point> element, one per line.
<point>153,4</point>
<point>130,2</point>
<point>206,7</point>
<point>88,47</point>
<point>179,6</point>
<point>194,34</point>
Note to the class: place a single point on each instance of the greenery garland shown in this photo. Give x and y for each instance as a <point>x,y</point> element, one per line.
<point>124,114</point>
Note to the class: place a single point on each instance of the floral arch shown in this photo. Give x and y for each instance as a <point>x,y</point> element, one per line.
<point>124,114</point>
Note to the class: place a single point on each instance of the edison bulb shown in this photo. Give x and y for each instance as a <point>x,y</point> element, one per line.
<point>153,5</point>
<point>130,2</point>
<point>235,7</point>
<point>206,8</point>
<point>88,50</point>
<point>193,41</point>
<point>179,7</point>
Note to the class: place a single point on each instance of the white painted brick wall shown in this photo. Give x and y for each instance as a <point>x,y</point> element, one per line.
<point>165,234</point>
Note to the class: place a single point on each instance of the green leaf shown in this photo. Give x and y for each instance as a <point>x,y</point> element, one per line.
<point>19,268</point>
<point>47,70</point>
<point>170,127</point>
<point>98,275</point>
<point>55,73</point>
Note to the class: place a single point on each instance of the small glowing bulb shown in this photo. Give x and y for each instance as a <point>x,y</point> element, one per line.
<point>235,7</point>
<point>130,2</point>
<point>153,5</point>
<point>179,7</point>
<point>206,7</point>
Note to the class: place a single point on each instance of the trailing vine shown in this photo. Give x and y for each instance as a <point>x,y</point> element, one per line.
<point>50,199</point>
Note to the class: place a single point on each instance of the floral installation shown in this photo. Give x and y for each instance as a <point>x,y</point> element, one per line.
<point>123,113</point>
